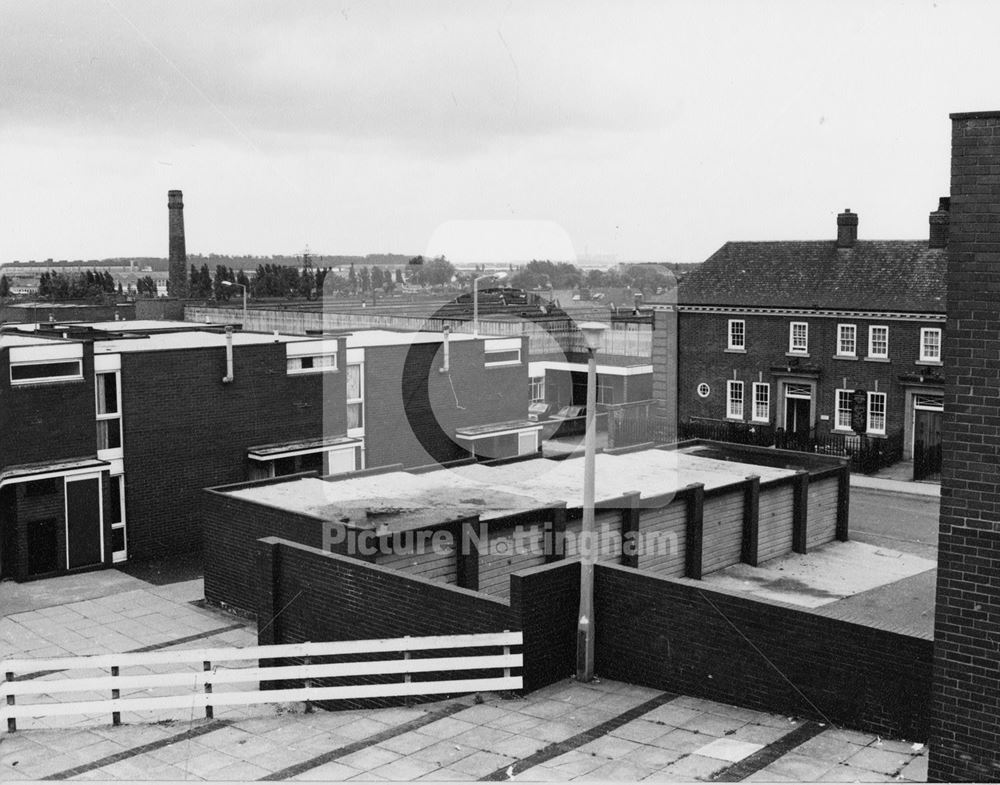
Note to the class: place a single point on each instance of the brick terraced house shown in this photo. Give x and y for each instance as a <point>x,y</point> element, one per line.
<point>111,430</point>
<point>777,336</point>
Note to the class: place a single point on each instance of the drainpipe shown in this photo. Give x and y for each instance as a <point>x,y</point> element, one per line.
<point>446,365</point>
<point>229,356</point>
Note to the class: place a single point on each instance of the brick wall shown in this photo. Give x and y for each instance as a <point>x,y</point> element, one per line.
<point>678,636</point>
<point>965,740</point>
<point>412,409</point>
<point>47,422</point>
<point>703,357</point>
<point>323,596</point>
<point>184,430</point>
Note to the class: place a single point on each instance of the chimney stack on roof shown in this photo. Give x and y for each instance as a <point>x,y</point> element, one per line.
<point>939,220</point>
<point>178,254</point>
<point>847,229</point>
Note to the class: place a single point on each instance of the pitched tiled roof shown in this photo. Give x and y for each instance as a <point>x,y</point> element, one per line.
<point>884,275</point>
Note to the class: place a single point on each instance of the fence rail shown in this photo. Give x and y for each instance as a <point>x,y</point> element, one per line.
<point>202,683</point>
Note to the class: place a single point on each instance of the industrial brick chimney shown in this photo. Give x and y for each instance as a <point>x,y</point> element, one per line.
<point>178,253</point>
<point>939,220</point>
<point>847,229</point>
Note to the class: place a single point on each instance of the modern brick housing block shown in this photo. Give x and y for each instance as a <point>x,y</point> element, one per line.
<point>965,723</point>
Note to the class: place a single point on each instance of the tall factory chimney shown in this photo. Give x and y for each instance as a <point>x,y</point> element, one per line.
<point>178,254</point>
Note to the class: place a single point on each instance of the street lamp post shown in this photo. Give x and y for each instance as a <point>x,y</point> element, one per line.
<point>475,298</point>
<point>243,286</point>
<point>592,332</point>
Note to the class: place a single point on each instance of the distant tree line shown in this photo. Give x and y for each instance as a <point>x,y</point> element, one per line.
<point>91,284</point>
<point>538,274</point>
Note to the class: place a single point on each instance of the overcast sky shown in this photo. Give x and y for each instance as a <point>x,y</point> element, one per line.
<point>643,131</point>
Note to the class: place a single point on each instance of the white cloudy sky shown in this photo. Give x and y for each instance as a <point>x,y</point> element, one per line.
<point>641,130</point>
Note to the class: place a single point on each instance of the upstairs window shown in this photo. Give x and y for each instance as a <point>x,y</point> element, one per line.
<point>109,417</point>
<point>847,340</point>
<point>930,345</point>
<point>761,402</point>
<point>737,335</point>
<point>878,342</point>
<point>312,363</point>
<point>798,338</point>
<point>42,372</point>
<point>355,397</point>
<point>503,351</point>
<point>734,400</point>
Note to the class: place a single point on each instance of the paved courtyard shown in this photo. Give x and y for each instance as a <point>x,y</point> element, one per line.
<point>606,731</point>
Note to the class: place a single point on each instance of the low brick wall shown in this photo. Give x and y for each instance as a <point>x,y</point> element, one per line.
<point>676,635</point>
<point>306,594</point>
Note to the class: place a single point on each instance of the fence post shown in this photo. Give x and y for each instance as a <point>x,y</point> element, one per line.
<point>307,684</point>
<point>506,651</point>
<point>555,531</point>
<point>11,722</point>
<point>467,561</point>
<point>695,530</point>
<point>800,514</point>
<point>116,716</point>
<point>630,529</point>
<point>751,521</point>
<point>209,709</point>
<point>407,678</point>
<point>843,502</point>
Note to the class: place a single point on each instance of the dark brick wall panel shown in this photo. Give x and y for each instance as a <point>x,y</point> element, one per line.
<point>680,637</point>
<point>47,422</point>
<point>545,603</point>
<point>184,430</point>
<point>965,739</point>
<point>413,409</point>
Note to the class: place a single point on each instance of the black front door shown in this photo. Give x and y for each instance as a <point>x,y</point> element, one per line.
<point>83,522</point>
<point>926,444</point>
<point>798,416</point>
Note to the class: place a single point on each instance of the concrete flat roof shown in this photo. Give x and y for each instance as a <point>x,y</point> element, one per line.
<point>403,500</point>
<point>360,339</point>
<point>9,340</point>
<point>190,339</point>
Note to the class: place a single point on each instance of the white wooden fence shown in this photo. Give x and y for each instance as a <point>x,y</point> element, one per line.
<point>213,674</point>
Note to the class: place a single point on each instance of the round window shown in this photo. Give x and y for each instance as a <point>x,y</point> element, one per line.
<point>704,390</point>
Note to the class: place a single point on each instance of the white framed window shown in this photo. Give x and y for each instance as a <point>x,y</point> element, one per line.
<point>878,342</point>
<point>734,400</point>
<point>798,338</point>
<point>44,372</point>
<point>842,410</point>
<point>737,335</point>
<point>847,340</point>
<point>876,413</point>
<point>704,390</point>
<point>312,363</point>
<point>537,389</point>
<point>355,398</point>
<point>503,351</point>
<point>761,402</point>
<point>116,511</point>
<point>107,388</point>
<point>605,392</point>
<point>930,344</point>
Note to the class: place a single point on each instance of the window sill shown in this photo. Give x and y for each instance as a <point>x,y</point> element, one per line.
<point>851,357</point>
<point>735,351</point>
<point>46,381</point>
<point>797,354</point>
<point>761,422</point>
<point>934,363</point>
<point>733,419</point>
<point>311,371</point>
<point>510,364</point>
<point>877,360</point>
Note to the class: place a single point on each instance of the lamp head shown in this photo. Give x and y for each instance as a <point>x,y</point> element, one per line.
<point>592,332</point>
<point>227,283</point>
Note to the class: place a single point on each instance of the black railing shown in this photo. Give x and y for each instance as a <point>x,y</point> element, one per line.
<point>867,454</point>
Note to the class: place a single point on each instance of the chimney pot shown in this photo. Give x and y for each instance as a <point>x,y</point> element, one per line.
<point>939,221</point>
<point>847,229</point>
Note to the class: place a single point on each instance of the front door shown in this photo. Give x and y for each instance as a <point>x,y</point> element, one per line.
<point>926,443</point>
<point>84,538</point>
<point>798,416</point>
